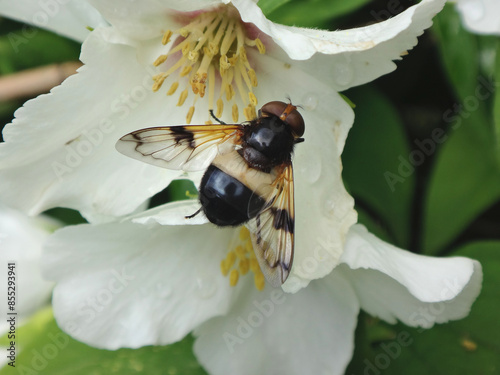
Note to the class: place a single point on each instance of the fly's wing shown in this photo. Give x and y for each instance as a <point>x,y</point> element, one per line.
<point>188,148</point>
<point>272,230</point>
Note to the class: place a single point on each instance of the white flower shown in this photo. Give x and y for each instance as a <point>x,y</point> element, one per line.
<point>59,150</point>
<point>151,279</point>
<point>480,16</point>
<point>21,239</point>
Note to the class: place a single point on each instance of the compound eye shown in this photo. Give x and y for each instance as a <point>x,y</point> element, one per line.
<point>275,108</point>
<point>296,122</point>
<point>287,113</point>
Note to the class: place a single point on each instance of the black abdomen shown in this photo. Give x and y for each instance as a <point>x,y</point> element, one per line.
<point>225,200</point>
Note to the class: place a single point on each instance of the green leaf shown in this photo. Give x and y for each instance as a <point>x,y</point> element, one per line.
<point>465,179</point>
<point>20,50</point>
<point>372,160</point>
<point>464,347</point>
<point>46,350</point>
<point>373,224</point>
<point>496,104</point>
<point>66,215</point>
<point>459,50</point>
<point>267,6</point>
<point>182,189</point>
<point>313,13</point>
<point>466,175</point>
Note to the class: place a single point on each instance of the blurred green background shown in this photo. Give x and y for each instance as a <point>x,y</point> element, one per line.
<point>422,161</point>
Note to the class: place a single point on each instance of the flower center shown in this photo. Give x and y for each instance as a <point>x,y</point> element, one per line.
<point>209,54</point>
<point>241,259</point>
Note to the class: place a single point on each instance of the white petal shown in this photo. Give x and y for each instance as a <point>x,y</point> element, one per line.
<point>352,57</point>
<point>130,285</point>
<point>21,239</point>
<point>480,16</point>
<point>172,214</point>
<point>418,290</point>
<point>271,332</point>
<point>146,18</point>
<point>60,148</point>
<point>324,210</point>
<point>69,18</point>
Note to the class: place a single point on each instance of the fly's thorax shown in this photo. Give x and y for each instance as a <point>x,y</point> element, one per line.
<point>267,143</point>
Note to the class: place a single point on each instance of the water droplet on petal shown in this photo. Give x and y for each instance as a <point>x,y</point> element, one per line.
<point>163,291</point>
<point>312,171</point>
<point>343,73</point>
<point>329,208</point>
<point>309,101</point>
<point>206,286</point>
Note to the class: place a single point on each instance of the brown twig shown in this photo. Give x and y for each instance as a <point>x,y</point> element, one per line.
<point>32,82</point>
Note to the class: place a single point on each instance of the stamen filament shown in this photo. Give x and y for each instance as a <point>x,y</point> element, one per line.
<point>212,42</point>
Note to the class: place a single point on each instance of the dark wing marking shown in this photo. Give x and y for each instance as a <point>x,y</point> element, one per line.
<point>188,148</point>
<point>272,230</point>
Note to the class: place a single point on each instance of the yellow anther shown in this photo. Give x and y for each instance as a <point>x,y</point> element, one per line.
<point>234,277</point>
<point>186,70</point>
<point>249,112</point>
<point>213,49</point>
<point>253,77</point>
<point>160,60</point>
<point>235,113</point>
<point>229,92</point>
<point>259,281</point>
<point>240,252</point>
<point>166,37</point>
<point>244,234</point>
<point>190,114</point>
<point>230,258</point>
<point>191,195</point>
<point>186,48</point>
<point>184,32</point>
<point>173,88</point>
<point>193,56</point>
<point>200,89</point>
<point>159,82</point>
<point>224,63</point>
<point>244,266</point>
<point>243,54</point>
<point>254,265</point>
<point>249,247</point>
<point>233,60</point>
<point>224,268</point>
<point>252,98</point>
<point>182,97</point>
<point>260,46</point>
<point>220,107</point>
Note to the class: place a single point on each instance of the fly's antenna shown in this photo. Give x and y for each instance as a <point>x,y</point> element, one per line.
<point>295,105</point>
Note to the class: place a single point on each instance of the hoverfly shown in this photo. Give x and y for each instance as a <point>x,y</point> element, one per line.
<point>248,178</point>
